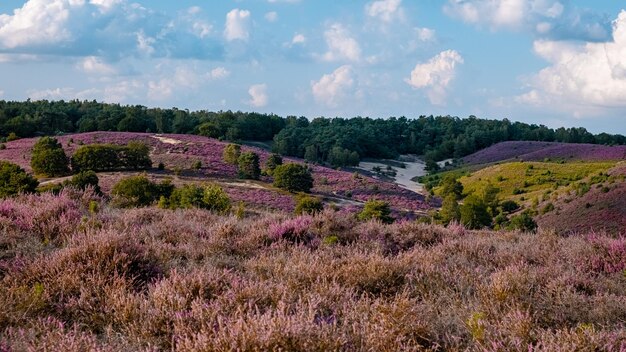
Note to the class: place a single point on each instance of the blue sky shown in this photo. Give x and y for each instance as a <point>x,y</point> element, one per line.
<point>553,62</point>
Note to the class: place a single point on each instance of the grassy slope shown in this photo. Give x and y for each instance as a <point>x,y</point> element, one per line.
<point>152,279</point>
<point>532,178</point>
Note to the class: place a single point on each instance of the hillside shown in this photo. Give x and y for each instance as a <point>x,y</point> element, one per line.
<point>601,208</point>
<point>72,279</point>
<point>180,152</point>
<point>540,151</point>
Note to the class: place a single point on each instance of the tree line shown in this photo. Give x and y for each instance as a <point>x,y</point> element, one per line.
<point>335,141</point>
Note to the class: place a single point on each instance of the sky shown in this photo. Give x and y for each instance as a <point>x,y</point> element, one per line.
<point>551,62</point>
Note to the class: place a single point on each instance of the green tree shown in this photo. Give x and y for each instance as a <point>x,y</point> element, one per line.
<point>272,162</point>
<point>450,210</point>
<point>14,180</point>
<point>248,165</point>
<point>231,154</point>
<point>474,214</point>
<point>293,178</point>
<point>376,209</point>
<point>308,205</point>
<point>48,158</point>
<point>136,156</point>
<point>451,186</point>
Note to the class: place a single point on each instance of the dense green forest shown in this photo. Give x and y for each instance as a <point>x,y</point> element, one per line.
<point>338,141</point>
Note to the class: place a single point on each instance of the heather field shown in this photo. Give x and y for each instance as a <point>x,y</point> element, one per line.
<point>540,151</point>
<point>76,277</point>
<point>180,152</point>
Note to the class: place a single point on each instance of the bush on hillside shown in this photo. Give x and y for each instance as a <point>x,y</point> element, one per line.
<point>377,210</point>
<point>14,180</point>
<point>48,158</point>
<point>210,197</point>
<point>138,191</point>
<point>272,162</point>
<point>108,157</point>
<point>293,178</point>
<point>231,154</point>
<point>523,222</point>
<point>248,166</point>
<point>474,213</point>
<point>308,205</point>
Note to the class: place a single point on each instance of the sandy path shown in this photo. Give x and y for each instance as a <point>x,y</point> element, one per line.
<point>403,175</point>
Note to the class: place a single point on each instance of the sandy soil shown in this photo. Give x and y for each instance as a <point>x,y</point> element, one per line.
<point>414,167</point>
<point>167,140</point>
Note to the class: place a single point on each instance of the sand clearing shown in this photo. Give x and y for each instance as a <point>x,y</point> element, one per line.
<point>167,140</point>
<point>414,167</point>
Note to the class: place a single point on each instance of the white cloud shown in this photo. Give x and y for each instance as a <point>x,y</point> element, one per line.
<point>341,45</point>
<point>581,78</point>
<point>333,88</point>
<point>298,39</point>
<point>219,73</point>
<point>425,34</point>
<point>1,93</point>
<point>546,18</point>
<point>237,23</point>
<point>271,16</point>
<point>385,10</point>
<point>95,65</point>
<point>436,75</point>
<point>258,95</point>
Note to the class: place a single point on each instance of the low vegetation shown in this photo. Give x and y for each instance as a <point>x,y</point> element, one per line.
<point>76,275</point>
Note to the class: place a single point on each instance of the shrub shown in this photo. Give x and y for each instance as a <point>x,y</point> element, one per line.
<point>376,209</point>
<point>450,186</point>
<point>136,191</point>
<point>84,179</point>
<point>48,158</point>
<point>197,165</point>
<point>187,196</point>
<point>474,213</point>
<point>161,166</point>
<point>450,209</point>
<point>547,208</point>
<point>14,180</point>
<point>3,146</point>
<point>293,178</point>
<point>107,157</point>
<point>509,206</point>
<point>231,154</point>
<point>12,137</point>
<point>272,162</point>
<point>248,164</point>
<point>215,199</point>
<point>523,222</point>
<point>308,205</point>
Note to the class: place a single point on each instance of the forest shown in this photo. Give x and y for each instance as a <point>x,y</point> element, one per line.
<point>337,141</point>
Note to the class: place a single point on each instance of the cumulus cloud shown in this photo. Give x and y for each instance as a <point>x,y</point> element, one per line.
<point>334,87</point>
<point>435,75</point>
<point>219,73</point>
<point>581,77</point>
<point>425,34</point>
<point>271,16</point>
<point>95,65</point>
<point>237,23</point>
<point>114,28</point>
<point>298,39</point>
<point>341,45</point>
<point>258,95</point>
<point>385,10</point>
<point>546,18</point>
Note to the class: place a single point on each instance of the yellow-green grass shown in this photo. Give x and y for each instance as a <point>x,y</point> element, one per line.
<point>524,181</point>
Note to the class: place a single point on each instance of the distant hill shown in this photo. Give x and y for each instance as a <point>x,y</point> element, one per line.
<point>539,151</point>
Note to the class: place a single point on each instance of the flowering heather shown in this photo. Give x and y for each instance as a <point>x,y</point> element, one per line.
<point>177,151</point>
<point>187,280</point>
<point>538,151</point>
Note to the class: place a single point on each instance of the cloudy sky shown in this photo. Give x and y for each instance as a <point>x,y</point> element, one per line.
<point>554,62</point>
